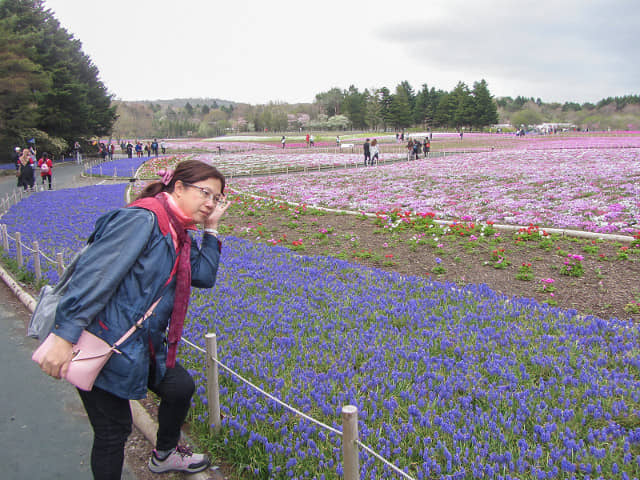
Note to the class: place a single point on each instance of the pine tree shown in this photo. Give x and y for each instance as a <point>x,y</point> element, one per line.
<point>67,100</point>
<point>401,113</point>
<point>485,109</point>
<point>354,107</point>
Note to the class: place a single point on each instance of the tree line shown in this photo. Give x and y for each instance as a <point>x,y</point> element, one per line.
<point>404,107</point>
<point>50,93</point>
<point>348,109</point>
<point>379,109</point>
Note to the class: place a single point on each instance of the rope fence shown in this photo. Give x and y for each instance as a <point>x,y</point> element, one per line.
<point>35,251</point>
<point>349,433</point>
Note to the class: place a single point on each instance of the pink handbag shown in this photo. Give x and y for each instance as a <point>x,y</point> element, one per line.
<point>90,354</point>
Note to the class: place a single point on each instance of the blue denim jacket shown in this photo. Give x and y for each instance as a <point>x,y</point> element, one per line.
<point>124,270</point>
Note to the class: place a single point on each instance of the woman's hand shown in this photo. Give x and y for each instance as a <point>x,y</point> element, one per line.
<point>217,213</point>
<point>56,362</point>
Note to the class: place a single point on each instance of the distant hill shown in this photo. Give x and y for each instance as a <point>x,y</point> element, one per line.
<point>181,102</point>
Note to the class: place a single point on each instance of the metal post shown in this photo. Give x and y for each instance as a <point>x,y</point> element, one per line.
<point>213,388</point>
<point>350,459</point>
<point>36,260</point>
<point>59,263</point>
<point>19,249</point>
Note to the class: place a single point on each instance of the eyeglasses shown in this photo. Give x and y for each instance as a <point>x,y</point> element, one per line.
<point>205,193</point>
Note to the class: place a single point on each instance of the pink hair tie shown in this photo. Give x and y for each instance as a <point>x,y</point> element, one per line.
<point>166,175</point>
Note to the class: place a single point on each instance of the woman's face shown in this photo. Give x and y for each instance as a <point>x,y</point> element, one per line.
<point>199,199</point>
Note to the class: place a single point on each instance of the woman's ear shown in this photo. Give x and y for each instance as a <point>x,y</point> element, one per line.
<point>178,188</point>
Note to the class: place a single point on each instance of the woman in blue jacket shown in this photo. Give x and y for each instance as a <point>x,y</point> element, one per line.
<point>137,255</point>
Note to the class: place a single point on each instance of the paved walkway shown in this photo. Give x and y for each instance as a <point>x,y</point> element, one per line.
<point>44,431</point>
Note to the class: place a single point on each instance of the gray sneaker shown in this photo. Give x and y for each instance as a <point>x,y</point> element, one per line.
<point>181,459</point>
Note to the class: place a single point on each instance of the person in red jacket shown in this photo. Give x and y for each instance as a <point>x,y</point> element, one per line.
<point>46,168</point>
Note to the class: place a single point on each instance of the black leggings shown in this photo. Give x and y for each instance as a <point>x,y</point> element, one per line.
<point>110,417</point>
<point>45,177</point>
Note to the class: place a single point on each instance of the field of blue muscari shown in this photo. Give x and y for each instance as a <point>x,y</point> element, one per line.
<point>121,167</point>
<point>450,383</point>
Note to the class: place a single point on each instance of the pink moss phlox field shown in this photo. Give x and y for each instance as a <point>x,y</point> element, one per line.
<point>200,144</point>
<point>594,189</point>
<point>245,163</point>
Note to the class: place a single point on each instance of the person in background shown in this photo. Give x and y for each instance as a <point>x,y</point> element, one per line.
<point>26,178</point>
<point>16,161</point>
<point>375,151</point>
<point>337,141</point>
<point>283,141</point>
<point>76,152</point>
<point>102,149</point>
<point>46,168</point>
<point>112,287</point>
<point>163,147</point>
<point>367,152</point>
<point>409,148</point>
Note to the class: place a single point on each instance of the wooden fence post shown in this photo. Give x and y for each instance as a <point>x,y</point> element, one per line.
<point>350,459</point>
<point>36,260</point>
<point>19,249</point>
<point>5,238</point>
<point>213,388</point>
<point>59,263</point>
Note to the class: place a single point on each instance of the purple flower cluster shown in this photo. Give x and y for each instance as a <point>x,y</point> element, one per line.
<point>60,220</point>
<point>122,167</point>
<point>449,382</point>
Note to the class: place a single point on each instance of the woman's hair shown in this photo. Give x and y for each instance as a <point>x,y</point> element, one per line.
<point>189,171</point>
<point>374,142</point>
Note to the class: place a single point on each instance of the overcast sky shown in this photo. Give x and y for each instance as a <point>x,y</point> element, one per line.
<point>284,50</point>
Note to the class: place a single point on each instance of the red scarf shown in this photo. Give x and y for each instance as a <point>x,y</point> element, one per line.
<point>161,206</point>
